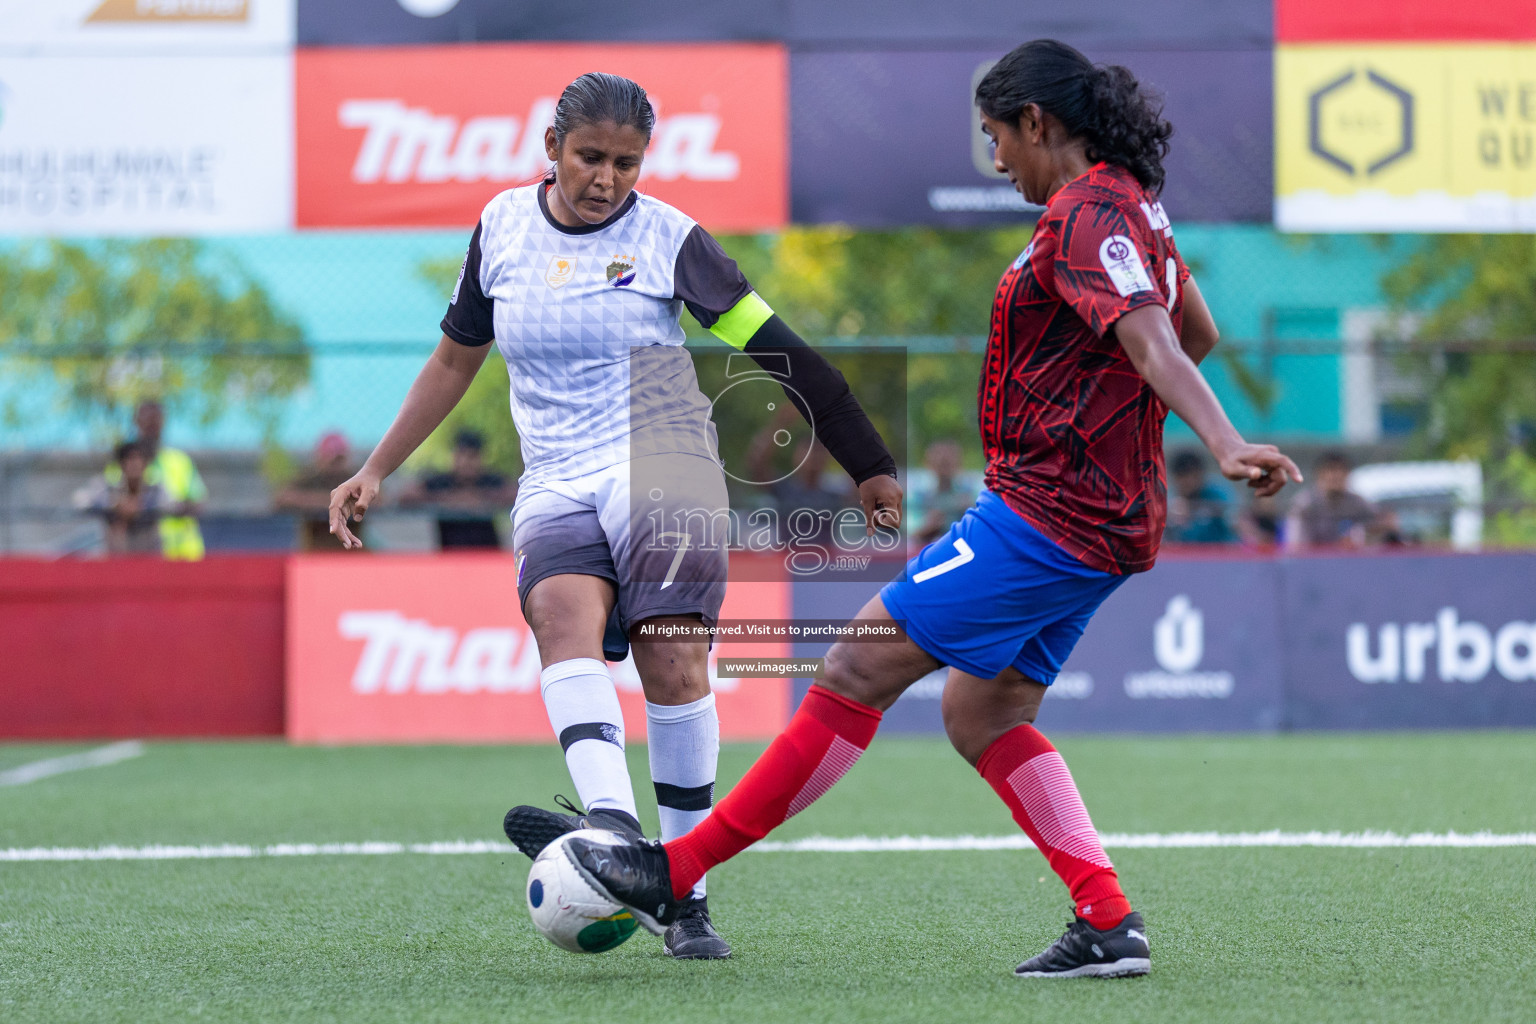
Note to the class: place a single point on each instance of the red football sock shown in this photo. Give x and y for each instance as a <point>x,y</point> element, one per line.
<point>823,740</point>
<point>1034,782</point>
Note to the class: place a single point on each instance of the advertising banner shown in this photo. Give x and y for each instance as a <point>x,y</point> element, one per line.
<point>1164,24</point>
<point>145,26</point>
<point>1382,21</point>
<point>1405,137</point>
<point>424,137</point>
<point>165,145</point>
<point>434,649</point>
<point>1431,641</point>
<point>1410,642</point>
<point>1189,647</point>
<point>883,139</point>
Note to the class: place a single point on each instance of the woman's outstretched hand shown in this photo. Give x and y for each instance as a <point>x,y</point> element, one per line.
<point>349,502</point>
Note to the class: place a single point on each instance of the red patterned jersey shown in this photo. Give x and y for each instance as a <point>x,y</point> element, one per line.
<point>1073,434</point>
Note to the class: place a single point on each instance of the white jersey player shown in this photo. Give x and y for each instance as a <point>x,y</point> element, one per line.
<point>580,281</point>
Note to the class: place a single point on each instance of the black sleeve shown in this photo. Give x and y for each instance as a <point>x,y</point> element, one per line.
<point>469,320</point>
<point>820,392</point>
<point>706,279</point>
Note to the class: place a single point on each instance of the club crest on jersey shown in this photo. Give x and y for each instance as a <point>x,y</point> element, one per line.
<point>621,272</point>
<point>561,270</point>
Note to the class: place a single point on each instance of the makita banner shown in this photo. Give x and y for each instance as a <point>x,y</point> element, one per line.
<point>855,160</point>
<point>435,649</point>
<point>1410,642</point>
<point>424,137</point>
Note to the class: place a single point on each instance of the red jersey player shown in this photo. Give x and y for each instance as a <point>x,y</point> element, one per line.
<point>1096,332</point>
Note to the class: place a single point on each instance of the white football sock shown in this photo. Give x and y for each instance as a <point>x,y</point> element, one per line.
<point>583,707</point>
<point>684,742</point>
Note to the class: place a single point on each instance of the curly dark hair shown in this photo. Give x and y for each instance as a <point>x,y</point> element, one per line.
<point>1102,104</point>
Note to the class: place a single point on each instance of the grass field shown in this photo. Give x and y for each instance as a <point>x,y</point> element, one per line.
<point>1263,934</point>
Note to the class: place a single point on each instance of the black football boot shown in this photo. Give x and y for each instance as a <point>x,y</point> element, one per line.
<point>533,828</point>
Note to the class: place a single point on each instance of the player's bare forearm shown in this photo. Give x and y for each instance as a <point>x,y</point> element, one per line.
<point>1197,332</point>
<point>1163,364</point>
<point>437,389</point>
<point>1148,337</point>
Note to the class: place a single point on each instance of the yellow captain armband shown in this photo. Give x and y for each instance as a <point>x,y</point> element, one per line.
<point>737,324</point>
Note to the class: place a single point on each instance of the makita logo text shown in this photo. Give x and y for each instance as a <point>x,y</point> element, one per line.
<point>402,655</point>
<point>405,655</point>
<point>413,144</point>
<point>1463,652</point>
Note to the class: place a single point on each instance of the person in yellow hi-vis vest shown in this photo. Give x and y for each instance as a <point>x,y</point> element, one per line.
<point>173,471</point>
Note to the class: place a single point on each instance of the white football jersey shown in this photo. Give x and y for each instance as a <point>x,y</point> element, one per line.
<point>587,320</point>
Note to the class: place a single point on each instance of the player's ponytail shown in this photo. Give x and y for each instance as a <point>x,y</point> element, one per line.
<point>596,97</point>
<point>1103,105</point>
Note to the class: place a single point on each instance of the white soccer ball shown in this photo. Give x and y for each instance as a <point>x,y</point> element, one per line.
<point>566,909</point>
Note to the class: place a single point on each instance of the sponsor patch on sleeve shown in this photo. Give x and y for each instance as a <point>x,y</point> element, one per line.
<point>1123,265</point>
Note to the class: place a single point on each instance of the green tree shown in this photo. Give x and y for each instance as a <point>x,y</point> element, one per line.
<point>106,325</point>
<point>484,408</point>
<point>830,281</point>
<point>930,287</point>
<point>1466,311</point>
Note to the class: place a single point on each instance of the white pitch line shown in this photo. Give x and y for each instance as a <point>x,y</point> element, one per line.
<point>1156,841</point>
<point>815,844</point>
<point>110,754</point>
<point>236,851</point>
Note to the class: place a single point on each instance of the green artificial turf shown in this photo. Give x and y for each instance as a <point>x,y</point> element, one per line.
<point>1304,935</point>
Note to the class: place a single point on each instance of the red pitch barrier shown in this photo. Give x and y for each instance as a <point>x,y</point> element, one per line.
<point>322,648</point>
<point>141,647</point>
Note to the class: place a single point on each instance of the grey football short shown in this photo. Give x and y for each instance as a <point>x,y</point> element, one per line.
<point>655,527</point>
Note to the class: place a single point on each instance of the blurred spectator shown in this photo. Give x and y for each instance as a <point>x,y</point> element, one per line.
<point>309,493</point>
<point>129,502</point>
<point>1197,508</point>
<point>1260,524</point>
<point>171,470</point>
<point>807,486</point>
<point>468,498</point>
<point>1329,514</point>
<point>939,493</point>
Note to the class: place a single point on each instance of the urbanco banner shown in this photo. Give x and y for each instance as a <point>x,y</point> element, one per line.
<point>164,145</point>
<point>1230,643</point>
<point>145,26</point>
<point>887,138</point>
<point>1411,642</point>
<point>426,136</point>
<point>404,649</point>
<point>1190,647</point>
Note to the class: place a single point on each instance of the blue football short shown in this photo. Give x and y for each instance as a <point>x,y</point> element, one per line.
<point>996,592</point>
